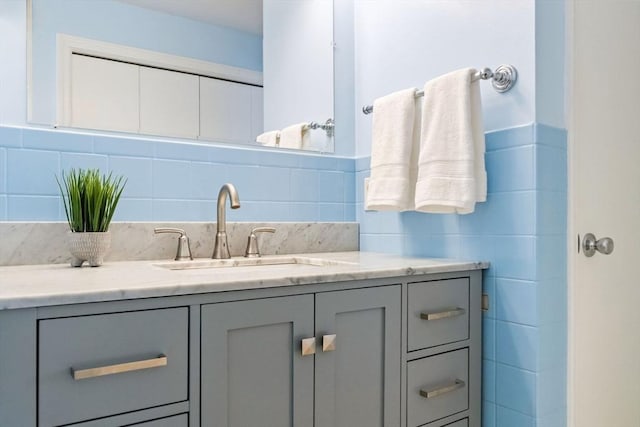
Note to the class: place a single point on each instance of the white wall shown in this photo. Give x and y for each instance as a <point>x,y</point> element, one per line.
<point>403,43</point>
<point>13,71</point>
<point>298,62</point>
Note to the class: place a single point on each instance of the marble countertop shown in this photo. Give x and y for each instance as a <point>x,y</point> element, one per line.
<point>57,284</point>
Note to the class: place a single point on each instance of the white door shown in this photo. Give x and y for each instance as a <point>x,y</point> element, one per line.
<point>604,147</point>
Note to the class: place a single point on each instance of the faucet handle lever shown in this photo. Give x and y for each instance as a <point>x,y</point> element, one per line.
<point>184,248</point>
<point>252,242</point>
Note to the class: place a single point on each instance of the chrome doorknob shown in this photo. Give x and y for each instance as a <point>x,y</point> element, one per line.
<point>590,245</point>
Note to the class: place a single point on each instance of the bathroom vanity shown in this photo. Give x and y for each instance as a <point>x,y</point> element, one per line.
<point>333,339</point>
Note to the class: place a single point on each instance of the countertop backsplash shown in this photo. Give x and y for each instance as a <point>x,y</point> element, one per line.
<point>25,243</point>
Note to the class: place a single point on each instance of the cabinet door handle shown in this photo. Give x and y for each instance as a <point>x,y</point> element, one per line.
<point>448,312</point>
<point>442,389</point>
<point>308,346</point>
<point>328,342</point>
<point>81,374</point>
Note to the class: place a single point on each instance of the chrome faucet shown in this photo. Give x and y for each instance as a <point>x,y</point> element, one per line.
<point>221,248</point>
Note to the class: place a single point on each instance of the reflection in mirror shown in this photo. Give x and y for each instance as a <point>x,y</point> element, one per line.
<point>211,70</point>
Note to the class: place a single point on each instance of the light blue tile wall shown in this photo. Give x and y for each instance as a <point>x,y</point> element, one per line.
<point>521,230</point>
<point>173,180</point>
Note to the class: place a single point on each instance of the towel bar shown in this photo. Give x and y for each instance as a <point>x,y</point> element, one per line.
<point>502,80</point>
<point>327,126</point>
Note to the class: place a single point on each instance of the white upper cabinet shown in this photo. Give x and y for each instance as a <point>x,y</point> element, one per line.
<point>104,94</point>
<point>225,111</point>
<point>168,103</point>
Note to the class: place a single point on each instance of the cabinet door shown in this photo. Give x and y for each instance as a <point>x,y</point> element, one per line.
<point>225,110</point>
<point>358,382</point>
<point>104,94</point>
<point>257,112</point>
<point>253,373</point>
<point>168,103</point>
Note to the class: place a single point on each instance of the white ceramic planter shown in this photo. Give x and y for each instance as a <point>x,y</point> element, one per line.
<point>90,247</point>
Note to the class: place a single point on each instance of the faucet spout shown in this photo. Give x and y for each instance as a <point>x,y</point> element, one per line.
<point>221,247</point>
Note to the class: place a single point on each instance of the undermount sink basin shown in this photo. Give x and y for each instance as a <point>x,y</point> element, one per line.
<point>250,262</point>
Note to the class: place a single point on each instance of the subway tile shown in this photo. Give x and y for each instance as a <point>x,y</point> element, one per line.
<point>506,417</point>
<point>269,184</point>
<point>274,158</point>
<point>476,248</point>
<point>511,169</point>
<point>330,212</point>
<point>33,208</point>
<point>433,245</point>
<point>551,256</point>
<point>134,210</point>
<point>551,216</point>
<point>551,136</point>
<point>56,140</point>
<point>349,187</point>
<point>488,380</point>
<point>331,187</point>
<point>553,346</point>
<point>430,223</point>
<point>3,170</point>
<point>228,155</point>
<point>552,300</point>
<point>489,339</point>
<point>552,385</point>
<point>350,212</point>
<point>489,414</point>
<point>317,162</point>
<point>70,161</point>
<point>374,222</point>
<point>517,345</point>
<point>551,169</point>
<point>3,207</point>
<point>306,211</point>
<point>507,138</point>
<point>182,210</point>
<point>271,211</point>
<point>169,179</point>
<point>139,175</point>
<point>345,164</point>
<point>515,257</point>
<point>362,164</point>
<point>10,137</point>
<point>206,179</point>
<point>359,183</point>
<point>304,185</point>
<point>181,151</point>
<point>557,418</point>
<point>512,213</point>
<point>32,172</point>
<point>385,243</point>
<point>515,389</point>
<point>120,146</point>
<point>517,301</point>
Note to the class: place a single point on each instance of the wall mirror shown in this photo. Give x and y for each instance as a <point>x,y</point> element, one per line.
<point>207,70</point>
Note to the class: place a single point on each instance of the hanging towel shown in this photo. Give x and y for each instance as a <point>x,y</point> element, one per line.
<point>451,172</point>
<point>294,136</point>
<point>394,151</point>
<point>269,139</point>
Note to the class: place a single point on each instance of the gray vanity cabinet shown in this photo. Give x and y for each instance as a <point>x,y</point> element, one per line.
<point>254,373</point>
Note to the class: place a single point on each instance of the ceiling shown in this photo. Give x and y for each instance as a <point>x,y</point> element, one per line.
<point>245,15</point>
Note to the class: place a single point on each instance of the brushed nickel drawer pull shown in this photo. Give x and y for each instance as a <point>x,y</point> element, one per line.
<point>448,312</point>
<point>81,374</point>
<point>308,346</point>
<point>328,342</point>
<point>442,389</point>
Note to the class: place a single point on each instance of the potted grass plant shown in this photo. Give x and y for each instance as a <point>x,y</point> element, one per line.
<point>90,200</point>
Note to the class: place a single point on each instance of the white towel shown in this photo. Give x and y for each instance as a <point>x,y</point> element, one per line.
<point>451,172</point>
<point>394,151</point>
<point>294,136</point>
<point>269,139</point>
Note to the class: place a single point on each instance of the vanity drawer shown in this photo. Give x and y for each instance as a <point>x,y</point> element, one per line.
<point>437,387</point>
<point>176,421</point>
<point>438,313</point>
<point>101,365</point>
